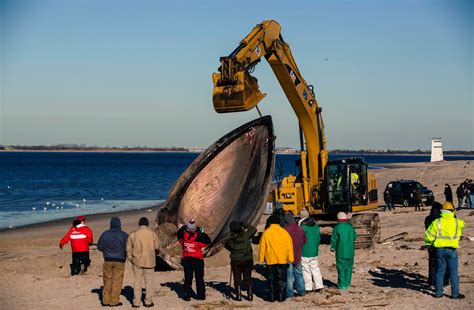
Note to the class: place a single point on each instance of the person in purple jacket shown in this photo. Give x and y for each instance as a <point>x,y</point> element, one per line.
<point>295,273</point>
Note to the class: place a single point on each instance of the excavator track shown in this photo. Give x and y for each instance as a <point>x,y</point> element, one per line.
<point>367,226</point>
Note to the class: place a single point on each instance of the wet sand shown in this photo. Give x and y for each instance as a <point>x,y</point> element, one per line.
<point>35,272</point>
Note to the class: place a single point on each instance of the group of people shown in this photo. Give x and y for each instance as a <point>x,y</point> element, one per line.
<point>464,192</point>
<point>117,246</point>
<point>289,250</point>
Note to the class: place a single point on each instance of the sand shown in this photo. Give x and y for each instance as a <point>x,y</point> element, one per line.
<point>35,272</point>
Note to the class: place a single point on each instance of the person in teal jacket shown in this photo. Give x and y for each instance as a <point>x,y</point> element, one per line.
<point>342,242</point>
<point>309,256</point>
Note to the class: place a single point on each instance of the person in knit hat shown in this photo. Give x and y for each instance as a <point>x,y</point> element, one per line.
<point>342,244</point>
<point>241,258</point>
<point>309,256</point>
<point>80,237</point>
<point>193,239</point>
<point>295,273</point>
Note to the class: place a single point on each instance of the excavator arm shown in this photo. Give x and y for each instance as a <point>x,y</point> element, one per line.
<point>235,89</point>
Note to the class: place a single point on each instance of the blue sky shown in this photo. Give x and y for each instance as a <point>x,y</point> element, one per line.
<point>139,72</point>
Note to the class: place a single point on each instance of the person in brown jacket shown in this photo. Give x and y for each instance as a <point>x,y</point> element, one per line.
<point>141,247</point>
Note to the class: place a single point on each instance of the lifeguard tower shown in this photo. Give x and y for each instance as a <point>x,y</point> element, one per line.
<point>436,149</point>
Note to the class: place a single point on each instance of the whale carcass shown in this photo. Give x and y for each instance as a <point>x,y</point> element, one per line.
<point>229,181</point>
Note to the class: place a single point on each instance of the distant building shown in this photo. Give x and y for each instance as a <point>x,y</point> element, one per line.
<point>436,149</point>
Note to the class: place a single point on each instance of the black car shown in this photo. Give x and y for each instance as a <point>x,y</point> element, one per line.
<point>399,192</point>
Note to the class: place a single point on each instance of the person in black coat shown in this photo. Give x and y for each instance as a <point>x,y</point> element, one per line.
<point>448,193</point>
<point>113,243</point>
<point>460,195</point>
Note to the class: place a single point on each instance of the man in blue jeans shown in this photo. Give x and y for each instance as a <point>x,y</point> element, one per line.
<point>444,234</point>
<point>295,272</point>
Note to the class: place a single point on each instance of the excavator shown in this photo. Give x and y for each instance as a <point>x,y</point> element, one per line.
<point>323,187</point>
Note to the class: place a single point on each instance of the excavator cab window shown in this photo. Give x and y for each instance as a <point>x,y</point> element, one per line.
<point>337,182</point>
<point>358,177</point>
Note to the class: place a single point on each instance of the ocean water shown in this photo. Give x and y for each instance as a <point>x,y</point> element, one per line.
<point>41,186</point>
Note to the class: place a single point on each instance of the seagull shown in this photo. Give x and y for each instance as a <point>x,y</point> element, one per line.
<point>34,208</point>
<point>44,208</point>
<point>47,203</point>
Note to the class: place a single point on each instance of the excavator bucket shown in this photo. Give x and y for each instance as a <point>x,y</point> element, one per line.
<point>241,95</point>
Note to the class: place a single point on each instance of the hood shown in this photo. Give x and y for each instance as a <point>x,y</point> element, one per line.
<point>115,223</point>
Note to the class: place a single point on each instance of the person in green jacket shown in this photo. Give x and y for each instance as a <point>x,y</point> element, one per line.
<point>342,242</point>
<point>309,256</point>
<point>241,258</point>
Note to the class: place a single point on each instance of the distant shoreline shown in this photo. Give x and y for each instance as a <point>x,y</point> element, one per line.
<point>199,151</point>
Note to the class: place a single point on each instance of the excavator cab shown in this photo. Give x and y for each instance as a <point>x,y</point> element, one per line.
<point>237,92</point>
<point>346,181</point>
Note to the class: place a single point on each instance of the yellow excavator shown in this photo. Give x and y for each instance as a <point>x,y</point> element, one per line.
<point>322,187</point>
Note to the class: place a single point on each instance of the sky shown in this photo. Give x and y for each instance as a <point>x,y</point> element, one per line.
<point>387,74</point>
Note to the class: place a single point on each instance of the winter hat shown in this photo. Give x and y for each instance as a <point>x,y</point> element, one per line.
<point>448,206</point>
<point>81,218</point>
<point>341,216</point>
<point>143,221</point>
<point>274,219</point>
<point>289,218</point>
<point>235,227</point>
<point>191,225</point>
<point>304,213</point>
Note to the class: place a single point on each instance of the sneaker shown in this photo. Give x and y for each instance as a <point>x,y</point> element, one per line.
<point>149,305</point>
<point>460,296</point>
<point>437,296</point>
<point>135,306</point>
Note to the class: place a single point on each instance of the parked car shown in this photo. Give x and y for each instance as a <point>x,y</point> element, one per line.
<point>400,190</point>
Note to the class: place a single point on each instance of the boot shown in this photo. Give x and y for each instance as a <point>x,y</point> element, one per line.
<point>250,293</point>
<point>238,295</point>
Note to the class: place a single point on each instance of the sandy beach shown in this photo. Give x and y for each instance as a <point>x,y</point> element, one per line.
<point>35,272</point>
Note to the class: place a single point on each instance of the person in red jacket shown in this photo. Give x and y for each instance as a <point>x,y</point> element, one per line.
<point>193,239</point>
<point>81,237</point>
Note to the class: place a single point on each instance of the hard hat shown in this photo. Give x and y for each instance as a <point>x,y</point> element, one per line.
<point>448,206</point>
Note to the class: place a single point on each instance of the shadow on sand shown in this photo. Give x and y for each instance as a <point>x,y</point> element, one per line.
<point>400,279</point>
<point>127,292</point>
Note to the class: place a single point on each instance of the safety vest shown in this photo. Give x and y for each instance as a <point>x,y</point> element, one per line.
<point>445,232</point>
<point>354,178</point>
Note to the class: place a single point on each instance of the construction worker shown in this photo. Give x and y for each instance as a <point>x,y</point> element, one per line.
<point>276,250</point>
<point>444,234</point>
<point>342,243</point>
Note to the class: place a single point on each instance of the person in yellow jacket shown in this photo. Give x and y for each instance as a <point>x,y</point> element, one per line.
<point>444,234</point>
<point>276,250</point>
